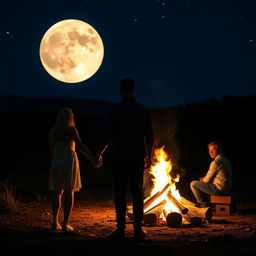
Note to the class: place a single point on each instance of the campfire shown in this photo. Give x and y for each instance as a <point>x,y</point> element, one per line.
<point>165,202</point>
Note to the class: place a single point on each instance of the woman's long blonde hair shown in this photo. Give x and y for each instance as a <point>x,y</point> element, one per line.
<point>65,119</point>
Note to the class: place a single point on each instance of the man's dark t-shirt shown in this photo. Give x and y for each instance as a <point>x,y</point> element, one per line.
<point>129,128</point>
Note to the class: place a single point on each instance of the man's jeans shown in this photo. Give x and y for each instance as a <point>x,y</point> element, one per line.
<point>128,173</point>
<point>202,190</point>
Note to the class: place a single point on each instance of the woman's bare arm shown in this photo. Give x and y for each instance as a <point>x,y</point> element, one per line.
<point>82,147</point>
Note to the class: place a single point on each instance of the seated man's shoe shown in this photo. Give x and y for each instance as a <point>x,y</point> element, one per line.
<point>119,233</point>
<point>139,233</point>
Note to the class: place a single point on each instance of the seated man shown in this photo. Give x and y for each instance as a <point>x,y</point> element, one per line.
<point>217,181</point>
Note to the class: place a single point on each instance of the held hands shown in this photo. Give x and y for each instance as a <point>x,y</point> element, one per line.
<point>96,161</point>
<point>99,161</point>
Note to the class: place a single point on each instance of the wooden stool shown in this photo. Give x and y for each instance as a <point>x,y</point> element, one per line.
<point>221,205</point>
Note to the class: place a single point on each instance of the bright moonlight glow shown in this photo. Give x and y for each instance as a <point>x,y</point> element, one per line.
<point>71,51</point>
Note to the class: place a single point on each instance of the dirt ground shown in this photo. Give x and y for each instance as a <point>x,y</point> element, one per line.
<point>29,231</point>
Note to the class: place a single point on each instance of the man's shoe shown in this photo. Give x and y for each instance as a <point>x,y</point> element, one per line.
<point>119,233</point>
<point>139,233</point>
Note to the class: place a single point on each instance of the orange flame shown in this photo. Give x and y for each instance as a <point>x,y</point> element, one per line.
<point>161,171</point>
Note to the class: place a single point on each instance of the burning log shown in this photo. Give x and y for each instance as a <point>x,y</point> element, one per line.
<point>149,215</point>
<point>152,199</point>
<point>173,219</point>
<point>185,201</point>
<point>204,213</point>
<point>129,209</point>
<point>148,201</point>
<point>193,220</point>
<point>196,221</point>
<point>179,205</point>
<point>154,214</point>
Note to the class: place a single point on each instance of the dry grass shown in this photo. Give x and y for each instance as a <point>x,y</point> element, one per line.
<point>9,204</point>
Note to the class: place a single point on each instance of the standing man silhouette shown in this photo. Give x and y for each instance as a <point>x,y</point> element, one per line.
<point>130,134</point>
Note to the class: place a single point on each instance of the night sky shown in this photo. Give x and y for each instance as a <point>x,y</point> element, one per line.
<point>177,51</point>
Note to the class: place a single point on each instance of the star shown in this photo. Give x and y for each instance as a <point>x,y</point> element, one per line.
<point>251,42</point>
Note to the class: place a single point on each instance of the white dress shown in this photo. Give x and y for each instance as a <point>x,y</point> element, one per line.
<point>65,170</point>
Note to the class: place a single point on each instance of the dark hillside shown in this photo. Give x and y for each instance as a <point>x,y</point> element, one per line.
<point>185,131</point>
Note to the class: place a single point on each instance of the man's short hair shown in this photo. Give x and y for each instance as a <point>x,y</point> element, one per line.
<point>127,84</point>
<point>216,143</point>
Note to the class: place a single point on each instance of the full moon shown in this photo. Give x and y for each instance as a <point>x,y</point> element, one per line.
<point>71,51</point>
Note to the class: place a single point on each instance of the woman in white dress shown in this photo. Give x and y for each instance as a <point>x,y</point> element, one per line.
<point>64,177</point>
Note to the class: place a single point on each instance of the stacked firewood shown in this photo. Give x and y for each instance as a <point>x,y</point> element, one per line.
<point>186,212</point>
